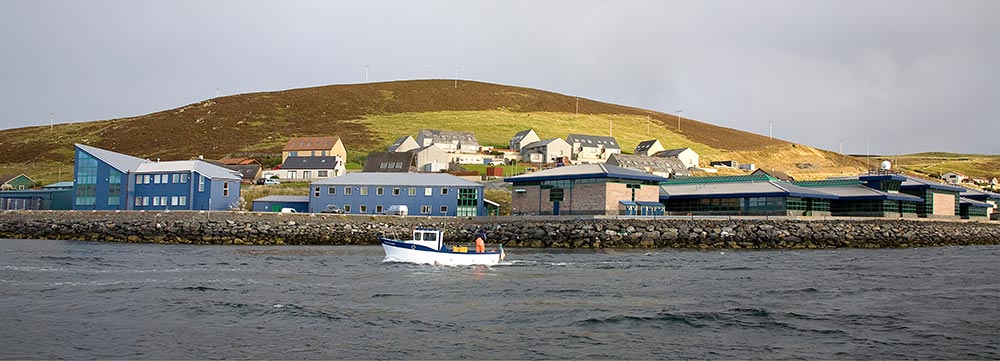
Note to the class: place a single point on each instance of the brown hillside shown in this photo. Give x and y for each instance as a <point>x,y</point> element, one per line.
<point>262,122</point>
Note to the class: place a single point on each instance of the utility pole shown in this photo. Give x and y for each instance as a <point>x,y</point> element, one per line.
<point>51,116</point>
<point>366,73</point>
<point>647,125</point>
<point>770,129</point>
<point>841,147</point>
<point>577,106</point>
<point>456,77</point>
<point>679,120</point>
<point>611,126</point>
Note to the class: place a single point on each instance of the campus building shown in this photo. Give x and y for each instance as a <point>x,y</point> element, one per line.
<point>940,200</point>
<point>426,194</point>
<point>588,189</point>
<point>875,195</point>
<point>106,180</point>
<point>750,195</point>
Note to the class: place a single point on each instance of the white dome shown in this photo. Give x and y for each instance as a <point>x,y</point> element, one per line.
<point>886,165</point>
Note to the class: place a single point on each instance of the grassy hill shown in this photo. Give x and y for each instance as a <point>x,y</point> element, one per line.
<point>370,116</point>
<point>934,164</point>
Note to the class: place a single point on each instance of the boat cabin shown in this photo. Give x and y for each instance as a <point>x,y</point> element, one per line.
<point>428,237</point>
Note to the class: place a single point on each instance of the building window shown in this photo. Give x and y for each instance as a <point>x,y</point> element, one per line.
<point>379,191</point>
<point>201,183</point>
<point>291,174</point>
<point>225,189</point>
<point>363,208</point>
<point>173,200</point>
<point>293,154</point>
<point>331,190</point>
<point>114,188</point>
<point>138,201</point>
<point>156,201</point>
<point>444,191</point>
<point>347,208</point>
<point>138,179</point>
<point>395,191</point>
<point>347,191</point>
<point>182,200</point>
<point>364,191</point>
<point>428,191</point>
<point>322,173</point>
<point>425,209</point>
<point>176,178</point>
<point>163,200</point>
<point>145,201</point>
<point>86,180</point>
<point>412,191</point>
<point>306,174</point>
<point>378,209</point>
<point>316,192</point>
<point>184,178</point>
<point>444,209</point>
<point>468,204</point>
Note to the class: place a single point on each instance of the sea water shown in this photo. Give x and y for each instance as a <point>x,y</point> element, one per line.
<point>66,299</point>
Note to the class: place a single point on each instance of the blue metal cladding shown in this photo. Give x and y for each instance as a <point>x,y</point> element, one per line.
<point>418,204</point>
<point>183,191</point>
<point>93,193</point>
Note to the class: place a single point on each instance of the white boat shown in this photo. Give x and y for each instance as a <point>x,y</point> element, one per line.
<point>427,247</point>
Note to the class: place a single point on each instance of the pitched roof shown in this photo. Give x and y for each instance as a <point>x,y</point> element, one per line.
<point>121,162</point>
<point>520,135</point>
<point>593,140</point>
<point>585,171</point>
<point>540,143</point>
<point>980,195</point>
<point>645,145</point>
<point>310,143</point>
<point>861,192</point>
<point>237,161</point>
<point>9,177</point>
<point>204,168</point>
<point>63,184</point>
<point>247,171</point>
<point>916,183</point>
<point>974,203</point>
<point>656,164</point>
<point>447,136</point>
<point>399,179</point>
<point>390,162</point>
<point>399,142</point>
<point>671,152</point>
<point>739,190</point>
<point>310,163</point>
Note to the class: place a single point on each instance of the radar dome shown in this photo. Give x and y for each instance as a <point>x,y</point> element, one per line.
<point>886,165</point>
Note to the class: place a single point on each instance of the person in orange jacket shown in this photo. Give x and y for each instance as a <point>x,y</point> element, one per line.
<point>480,243</point>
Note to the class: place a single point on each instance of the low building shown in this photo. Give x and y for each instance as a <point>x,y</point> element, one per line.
<point>687,155</point>
<point>974,210</point>
<point>991,198</point>
<point>393,162</point>
<point>648,147</point>
<point>430,159</point>
<point>308,169</point>
<point>424,194</point>
<point>592,148</point>
<point>874,195</point>
<point>277,203</point>
<point>314,147</point>
<point>954,177</point>
<point>546,151</point>
<point>589,189</point>
<point>751,195</point>
<point>47,198</point>
<point>659,166</point>
<point>522,139</point>
<point>449,141</point>
<point>940,200</point>
<point>15,182</point>
<point>404,144</point>
<point>106,180</point>
<point>724,163</point>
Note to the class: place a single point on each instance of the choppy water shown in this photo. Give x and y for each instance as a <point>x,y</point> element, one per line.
<point>62,299</point>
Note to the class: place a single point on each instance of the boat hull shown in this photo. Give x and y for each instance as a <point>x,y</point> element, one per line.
<point>399,251</point>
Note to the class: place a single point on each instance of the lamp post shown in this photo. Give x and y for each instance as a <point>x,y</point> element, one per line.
<point>679,120</point>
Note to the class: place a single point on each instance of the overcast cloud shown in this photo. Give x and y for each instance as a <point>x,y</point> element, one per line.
<point>909,75</point>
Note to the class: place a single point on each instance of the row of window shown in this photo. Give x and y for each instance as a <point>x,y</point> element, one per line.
<point>158,201</point>
<point>180,178</point>
<point>363,209</point>
<point>307,174</point>
<point>410,191</point>
<point>313,153</point>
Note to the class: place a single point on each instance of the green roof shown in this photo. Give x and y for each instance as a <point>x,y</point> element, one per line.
<point>720,179</point>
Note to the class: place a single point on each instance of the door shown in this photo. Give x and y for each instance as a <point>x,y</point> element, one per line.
<point>555,208</point>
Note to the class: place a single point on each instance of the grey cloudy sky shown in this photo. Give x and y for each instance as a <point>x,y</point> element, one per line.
<point>906,76</point>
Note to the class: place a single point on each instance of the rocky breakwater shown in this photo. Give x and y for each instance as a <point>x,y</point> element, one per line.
<point>305,229</point>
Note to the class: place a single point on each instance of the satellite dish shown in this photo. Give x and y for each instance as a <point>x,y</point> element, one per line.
<point>886,165</point>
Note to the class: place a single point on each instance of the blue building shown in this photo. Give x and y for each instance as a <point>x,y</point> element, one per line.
<point>757,194</point>
<point>106,180</point>
<point>424,194</point>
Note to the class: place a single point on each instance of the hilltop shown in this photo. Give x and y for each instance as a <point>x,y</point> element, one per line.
<point>370,116</point>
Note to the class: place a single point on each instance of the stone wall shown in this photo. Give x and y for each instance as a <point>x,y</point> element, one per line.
<point>305,229</point>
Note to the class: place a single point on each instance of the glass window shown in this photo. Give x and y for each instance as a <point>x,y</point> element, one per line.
<point>145,201</point>
<point>444,209</point>
<point>163,200</point>
<point>86,180</point>
<point>225,189</point>
<point>425,209</point>
<point>379,191</point>
<point>114,188</point>
<point>176,178</point>
<point>395,191</point>
<point>412,191</point>
<point>428,191</point>
<point>306,174</point>
<point>322,173</point>
<point>378,208</point>
<point>331,190</point>
<point>364,191</point>
<point>347,208</point>
<point>347,191</point>
<point>201,183</point>
<point>173,200</point>
<point>184,178</point>
<point>444,191</point>
<point>138,179</point>
<point>291,174</point>
<point>316,192</point>
<point>182,200</point>
<point>156,201</point>
<point>138,201</point>
<point>363,208</point>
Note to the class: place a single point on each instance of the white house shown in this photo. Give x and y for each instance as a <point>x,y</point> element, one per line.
<point>310,168</point>
<point>954,177</point>
<point>546,151</point>
<point>686,155</point>
<point>404,144</point>
<point>449,141</point>
<point>523,138</point>
<point>592,148</point>
<point>648,147</point>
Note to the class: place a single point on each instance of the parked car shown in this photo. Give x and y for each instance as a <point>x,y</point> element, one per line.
<point>397,210</point>
<point>332,208</point>
<point>271,181</point>
<point>288,210</point>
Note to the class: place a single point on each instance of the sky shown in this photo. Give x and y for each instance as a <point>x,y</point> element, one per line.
<point>879,77</point>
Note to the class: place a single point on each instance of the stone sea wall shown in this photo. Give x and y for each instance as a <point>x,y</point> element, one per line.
<point>305,229</point>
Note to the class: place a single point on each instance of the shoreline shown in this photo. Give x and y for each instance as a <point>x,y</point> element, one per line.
<point>251,228</point>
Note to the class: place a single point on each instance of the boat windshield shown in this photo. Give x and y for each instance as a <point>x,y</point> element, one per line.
<point>430,236</point>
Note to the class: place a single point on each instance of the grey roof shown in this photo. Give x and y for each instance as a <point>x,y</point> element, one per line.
<point>286,199</point>
<point>738,190</point>
<point>520,135</point>
<point>979,194</point>
<point>310,163</point>
<point>399,179</point>
<point>64,184</point>
<point>670,152</point>
<point>374,161</point>
<point>399,142</point>
<point>974,203</point>
<point>124,163</point>
<point>247,171</point>
<point>656,164</point>
<point>593,140</point>
<point>860,192</point>
<point>540,143</point>
<point>204,168</point>
<point>913,182</point>
<point>447,136</point>
<point>585,171</point>
<point>645,145</point>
